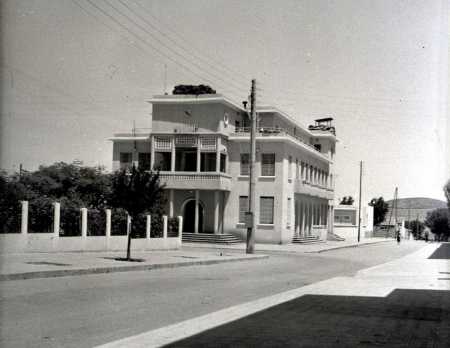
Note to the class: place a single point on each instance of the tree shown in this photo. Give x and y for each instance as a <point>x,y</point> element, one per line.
<point>193,89</point>
<point>438,221</point>
<point>347,200</point>
<point>416,227</point>
<point>447,193</point>
<point>380,208</point>
<point>137,192</point>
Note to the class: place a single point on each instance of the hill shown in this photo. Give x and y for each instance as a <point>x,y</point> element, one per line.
<point>414,208</point>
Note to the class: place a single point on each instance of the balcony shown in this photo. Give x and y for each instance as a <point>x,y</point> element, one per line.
<point>307,188</point>
<point>270,132</point>
<point>196,181</point>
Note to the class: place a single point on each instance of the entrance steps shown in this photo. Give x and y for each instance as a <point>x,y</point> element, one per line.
<point>306,239</point>
<point>210,238</point>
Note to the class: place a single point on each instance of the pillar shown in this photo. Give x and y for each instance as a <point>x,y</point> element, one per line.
<point>218,145</point>
<point>198,154</point>
<point>24,218</point>
<point>216,212</point>
<point>180,227</point>
<point>148,226</point>
<point>83,222</point>
<point>196,217</point>
<point>152,152</point>
<point>170,203</point>
<point>56,218</point>
<point>128,224</point>
<point>172,157</point>
<point>108,223</point>
<point>165,220</point>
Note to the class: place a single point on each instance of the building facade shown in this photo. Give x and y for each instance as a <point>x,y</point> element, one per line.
<point>201,146</point>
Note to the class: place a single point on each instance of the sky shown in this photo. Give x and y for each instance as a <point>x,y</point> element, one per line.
<point>74,72</point>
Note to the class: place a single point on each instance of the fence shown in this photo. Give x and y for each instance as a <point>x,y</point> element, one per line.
<point>92,238</point>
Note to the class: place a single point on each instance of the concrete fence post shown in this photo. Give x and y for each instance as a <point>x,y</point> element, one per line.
<point>148,226</point>
<point>108,223</point>
<point>83,222</point>
<point>56,218</point>
<point>24,218</point>
<point>165,226</point>
<point>180,227</point>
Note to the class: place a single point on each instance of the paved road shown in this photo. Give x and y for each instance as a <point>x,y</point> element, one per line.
<point>83,311</point>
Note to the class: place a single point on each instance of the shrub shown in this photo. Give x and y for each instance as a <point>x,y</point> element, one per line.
<point>40,215</point>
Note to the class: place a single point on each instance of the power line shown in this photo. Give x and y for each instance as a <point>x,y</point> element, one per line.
<point>151,34</point>
<point>187,50</point>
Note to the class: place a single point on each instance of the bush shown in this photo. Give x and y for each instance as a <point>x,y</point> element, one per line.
<point>10,217</point>
<point>119,222</point>
<point>172,228</point>
<point>157,226</point>
<point>96,222</point>
<point>70,218</point>
<point>40,215</point>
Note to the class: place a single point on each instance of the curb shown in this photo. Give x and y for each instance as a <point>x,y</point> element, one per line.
<point>347,246</point>
<point>100,270</point>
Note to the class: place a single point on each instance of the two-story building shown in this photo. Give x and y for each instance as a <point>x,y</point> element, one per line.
<point>201,146</point>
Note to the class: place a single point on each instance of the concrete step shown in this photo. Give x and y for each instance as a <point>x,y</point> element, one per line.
<point>210,238</point>
<point>306,239</point>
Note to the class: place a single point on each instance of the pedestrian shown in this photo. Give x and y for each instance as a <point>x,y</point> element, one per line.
<point>398,237</point>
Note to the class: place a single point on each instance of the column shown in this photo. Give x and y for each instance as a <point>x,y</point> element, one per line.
<point>198,154</point>
<point>216,212</point>
<point>171,203</point>
<point>83,222</point>
<point>148,226</point>
<point>24,218</point>
<point>172,157</point>
<point>56,218</point>
<point>303,218</point>
<point>297,217</point>
<point>180,229</point>
<point>152,152</point>
<point>108,223</point>
<point>165,220</point>
<point>218,145</point>
<point>196,217</point>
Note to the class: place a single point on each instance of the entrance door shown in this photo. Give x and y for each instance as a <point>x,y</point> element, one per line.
<point>189,217</point>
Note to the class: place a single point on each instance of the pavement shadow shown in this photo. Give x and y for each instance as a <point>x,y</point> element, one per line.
<point>405,318</point>
<point>443,252</point>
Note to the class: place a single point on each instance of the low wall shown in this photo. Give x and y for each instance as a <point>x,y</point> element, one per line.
<point>48,242</point>
<point>350,232</point>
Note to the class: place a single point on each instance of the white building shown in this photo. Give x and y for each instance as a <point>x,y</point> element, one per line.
<point>200,144</point>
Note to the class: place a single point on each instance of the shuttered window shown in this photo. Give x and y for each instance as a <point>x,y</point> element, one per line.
<point>243,208</point>
<point>245,164</point>
<point>266,210</point>
<point>268,164</point>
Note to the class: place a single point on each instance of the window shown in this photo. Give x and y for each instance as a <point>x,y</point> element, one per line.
<point>223,163</point>
<point>144,160</point>
<point>289,212</point>
<point>266,210</point>
<point>208,162</point>
<point>268,164</point>
<point>162,161</point>
<point>185,159</point>
<point>243,208</point>
<point>125,160</point>
<point>245,164</point>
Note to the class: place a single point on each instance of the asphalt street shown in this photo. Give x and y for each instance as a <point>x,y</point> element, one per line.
<point>83,311</point>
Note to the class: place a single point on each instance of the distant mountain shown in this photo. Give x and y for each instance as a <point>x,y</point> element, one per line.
<point>414,208</point>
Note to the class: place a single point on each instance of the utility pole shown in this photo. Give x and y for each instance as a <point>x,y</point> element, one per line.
<point>359,206</point>
<point>250,216</point>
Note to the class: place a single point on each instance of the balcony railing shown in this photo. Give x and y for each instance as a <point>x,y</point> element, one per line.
<point>196,181</point>
<point>272,131</point>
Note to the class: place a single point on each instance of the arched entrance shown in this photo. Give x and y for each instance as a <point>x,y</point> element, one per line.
<point>189,217</point>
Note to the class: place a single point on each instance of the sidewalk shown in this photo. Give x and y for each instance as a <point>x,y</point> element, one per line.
<point>402,303</point>
<point>44,265</point>
<point>294,248</point>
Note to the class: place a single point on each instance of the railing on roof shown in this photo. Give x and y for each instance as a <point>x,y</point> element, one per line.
<point>273,131</point>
